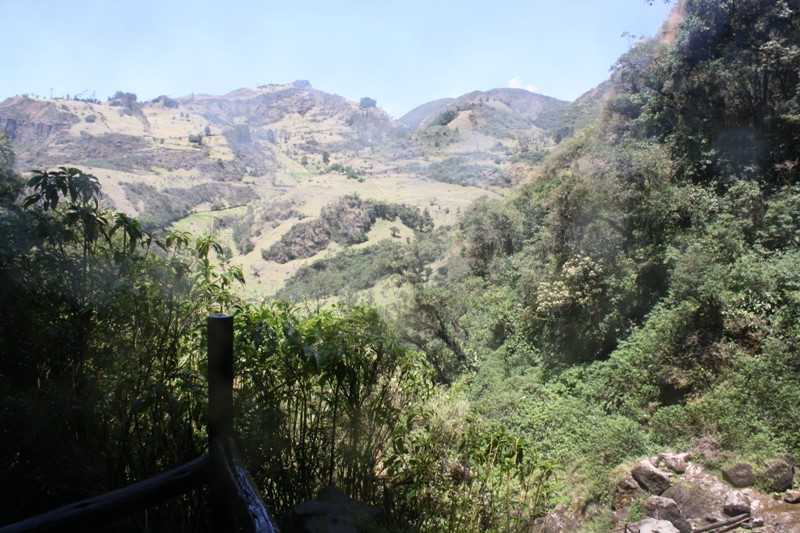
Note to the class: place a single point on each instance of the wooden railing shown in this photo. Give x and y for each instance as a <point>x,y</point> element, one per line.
<point>233,499</point>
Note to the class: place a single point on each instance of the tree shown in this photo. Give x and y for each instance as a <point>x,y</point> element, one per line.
<point>326,157</point>
<point>724,98</point>
<point>367,102</point>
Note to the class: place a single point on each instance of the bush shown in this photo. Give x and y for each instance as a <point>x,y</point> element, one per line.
<point>324,399</point>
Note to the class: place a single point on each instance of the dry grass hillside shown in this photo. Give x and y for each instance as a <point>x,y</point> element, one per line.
<point>251,165</point>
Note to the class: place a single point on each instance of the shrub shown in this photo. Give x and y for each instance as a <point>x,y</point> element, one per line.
<point>324,399</point>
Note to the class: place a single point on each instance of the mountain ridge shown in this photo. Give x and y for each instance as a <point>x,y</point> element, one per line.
<point>290,148</point>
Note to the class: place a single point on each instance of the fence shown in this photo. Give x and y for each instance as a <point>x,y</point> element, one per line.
<point>234,498</point>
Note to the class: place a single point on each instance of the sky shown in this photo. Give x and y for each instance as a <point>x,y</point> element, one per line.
<point>402,53</point>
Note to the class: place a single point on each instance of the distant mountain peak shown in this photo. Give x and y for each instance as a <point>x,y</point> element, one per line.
<point>521,103</point>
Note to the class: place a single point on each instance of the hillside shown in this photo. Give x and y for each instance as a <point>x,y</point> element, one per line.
<point>262,160</point>
<point>504,110</point>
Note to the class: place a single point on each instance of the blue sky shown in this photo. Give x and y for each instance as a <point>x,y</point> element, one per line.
<point>402,53</point>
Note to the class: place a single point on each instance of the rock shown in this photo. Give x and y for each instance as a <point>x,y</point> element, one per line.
<point>699,493</point>
<point>650,478</point>
<point>553,523</point>
<point>752,524</point>
<point>737,503</point>
<point>666,509</point>
<point>653,525</point>
<point>675,461</point>
<point>792,496</point>
<point>626,492</point>
<point>331,512</point>
<point>779,476</point>
<point>740,475</point>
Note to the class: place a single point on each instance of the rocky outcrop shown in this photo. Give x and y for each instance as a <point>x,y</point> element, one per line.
<point>650,478</point>
<point>674,461</point>
<point>698,499</point>
<point>555,522</point>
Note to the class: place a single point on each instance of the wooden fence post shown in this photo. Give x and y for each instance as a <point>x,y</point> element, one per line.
<point>220,409</point>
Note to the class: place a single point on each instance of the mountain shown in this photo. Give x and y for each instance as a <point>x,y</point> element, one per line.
<point>422,113</point>
<point>511,109</point>
<point>261,160</point>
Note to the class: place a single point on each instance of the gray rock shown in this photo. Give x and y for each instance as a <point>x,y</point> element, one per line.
<point>666,509</point>
<point>779,476</point>
<point>675,461</point>
<point>740,475</point>
<point>553,523</point>
<point>737,503</point>
<point>792,496</point>
<point>650,478</point>
<point>625,493</point>
<point>653,525</point>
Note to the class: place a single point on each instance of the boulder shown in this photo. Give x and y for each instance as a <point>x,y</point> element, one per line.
<point>666,509</point>
<point>650,478</point>
<point>653,525</point>
<point>699,493</point>
<point>737,503</point>
<point>553,523</point>
<point>779,476</point>
<point>739,475</point>
<point>675,461</point>
<point>625,493</point>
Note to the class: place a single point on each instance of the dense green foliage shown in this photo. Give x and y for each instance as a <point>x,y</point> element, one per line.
<point>104,383</point>
<point>641,291</point>
<point>353,270</point>
<point>457,170</point>
<point>100,376</point>
<point>163,207</point>
<point>345,222</point>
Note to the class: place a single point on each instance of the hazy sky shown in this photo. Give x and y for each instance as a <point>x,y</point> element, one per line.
<point>402,53</point>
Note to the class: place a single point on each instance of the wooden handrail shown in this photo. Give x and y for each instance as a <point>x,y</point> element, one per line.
<point>121,502</point>
<point>242,493</point>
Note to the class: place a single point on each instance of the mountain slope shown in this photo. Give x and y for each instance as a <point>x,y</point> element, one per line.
<point>253,164</point>
<point>515,109</point>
